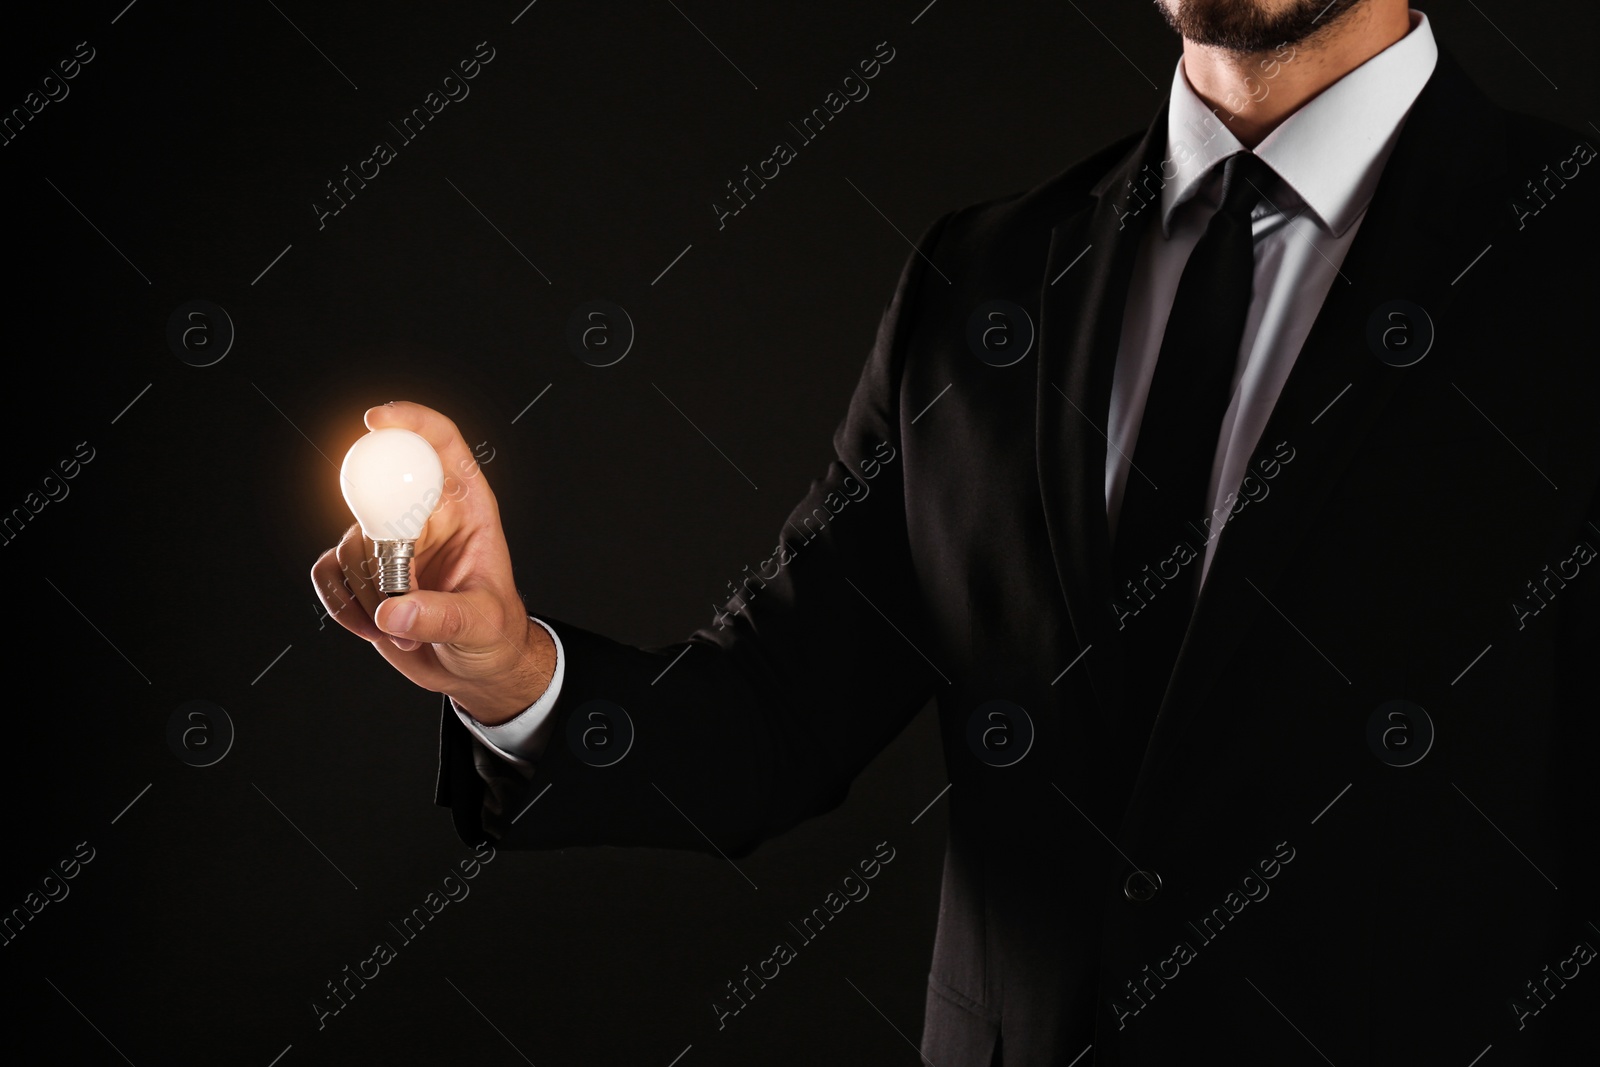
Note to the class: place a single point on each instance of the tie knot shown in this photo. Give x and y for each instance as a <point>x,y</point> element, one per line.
<point>1244,182</point>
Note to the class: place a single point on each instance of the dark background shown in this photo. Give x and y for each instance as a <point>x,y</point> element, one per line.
<point>185,158</point>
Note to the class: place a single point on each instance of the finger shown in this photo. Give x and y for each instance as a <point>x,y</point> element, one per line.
<point>338,600</point>
<point>464,619</point>
<point>359,569</point>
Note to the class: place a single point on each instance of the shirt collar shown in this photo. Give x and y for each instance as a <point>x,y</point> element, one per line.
<point>1330,152</point>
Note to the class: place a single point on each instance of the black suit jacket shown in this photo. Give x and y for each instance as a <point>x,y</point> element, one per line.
<point>1425,535</point>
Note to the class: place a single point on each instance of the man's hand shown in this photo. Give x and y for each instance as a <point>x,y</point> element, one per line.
<point>463,629</point>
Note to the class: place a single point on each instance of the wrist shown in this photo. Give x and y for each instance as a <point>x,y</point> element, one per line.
<point>515,688</point>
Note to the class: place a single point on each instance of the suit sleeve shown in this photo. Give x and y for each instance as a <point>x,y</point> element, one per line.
<point>764,718</point>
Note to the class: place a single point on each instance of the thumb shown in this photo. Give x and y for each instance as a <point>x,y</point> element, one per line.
<point>437,618</point>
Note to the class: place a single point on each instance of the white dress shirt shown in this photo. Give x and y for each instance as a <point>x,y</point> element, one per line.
<point>1327,156</point>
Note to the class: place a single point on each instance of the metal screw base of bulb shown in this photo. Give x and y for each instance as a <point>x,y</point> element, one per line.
<point>394,566</point>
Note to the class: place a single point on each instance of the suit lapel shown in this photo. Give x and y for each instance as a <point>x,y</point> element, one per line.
<point>1082,298</point>
<point>1428,219</point>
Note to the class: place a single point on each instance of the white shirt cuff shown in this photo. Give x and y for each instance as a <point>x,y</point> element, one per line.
<point>523,737</point>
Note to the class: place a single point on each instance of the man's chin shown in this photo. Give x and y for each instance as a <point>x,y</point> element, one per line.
<point>1250,26</point>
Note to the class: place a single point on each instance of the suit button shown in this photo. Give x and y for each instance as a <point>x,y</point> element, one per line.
<point>1141,886</point>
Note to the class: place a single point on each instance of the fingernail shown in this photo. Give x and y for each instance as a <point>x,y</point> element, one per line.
<point>405,644</point>
<point>398,619</point>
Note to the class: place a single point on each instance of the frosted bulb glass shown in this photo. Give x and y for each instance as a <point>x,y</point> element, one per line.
<point>392,480</point>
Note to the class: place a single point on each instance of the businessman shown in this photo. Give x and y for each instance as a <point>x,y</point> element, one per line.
<point>1246,552</point>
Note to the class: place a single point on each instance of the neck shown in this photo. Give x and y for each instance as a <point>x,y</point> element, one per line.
<point>1254,92</point>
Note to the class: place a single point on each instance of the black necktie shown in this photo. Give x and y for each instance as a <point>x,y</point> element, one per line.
<point>1164,504</point>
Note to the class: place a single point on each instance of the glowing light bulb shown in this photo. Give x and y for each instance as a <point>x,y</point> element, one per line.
<point>392,480</point>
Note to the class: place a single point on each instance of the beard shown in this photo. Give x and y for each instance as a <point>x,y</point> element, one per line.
<point>1250,26</point>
